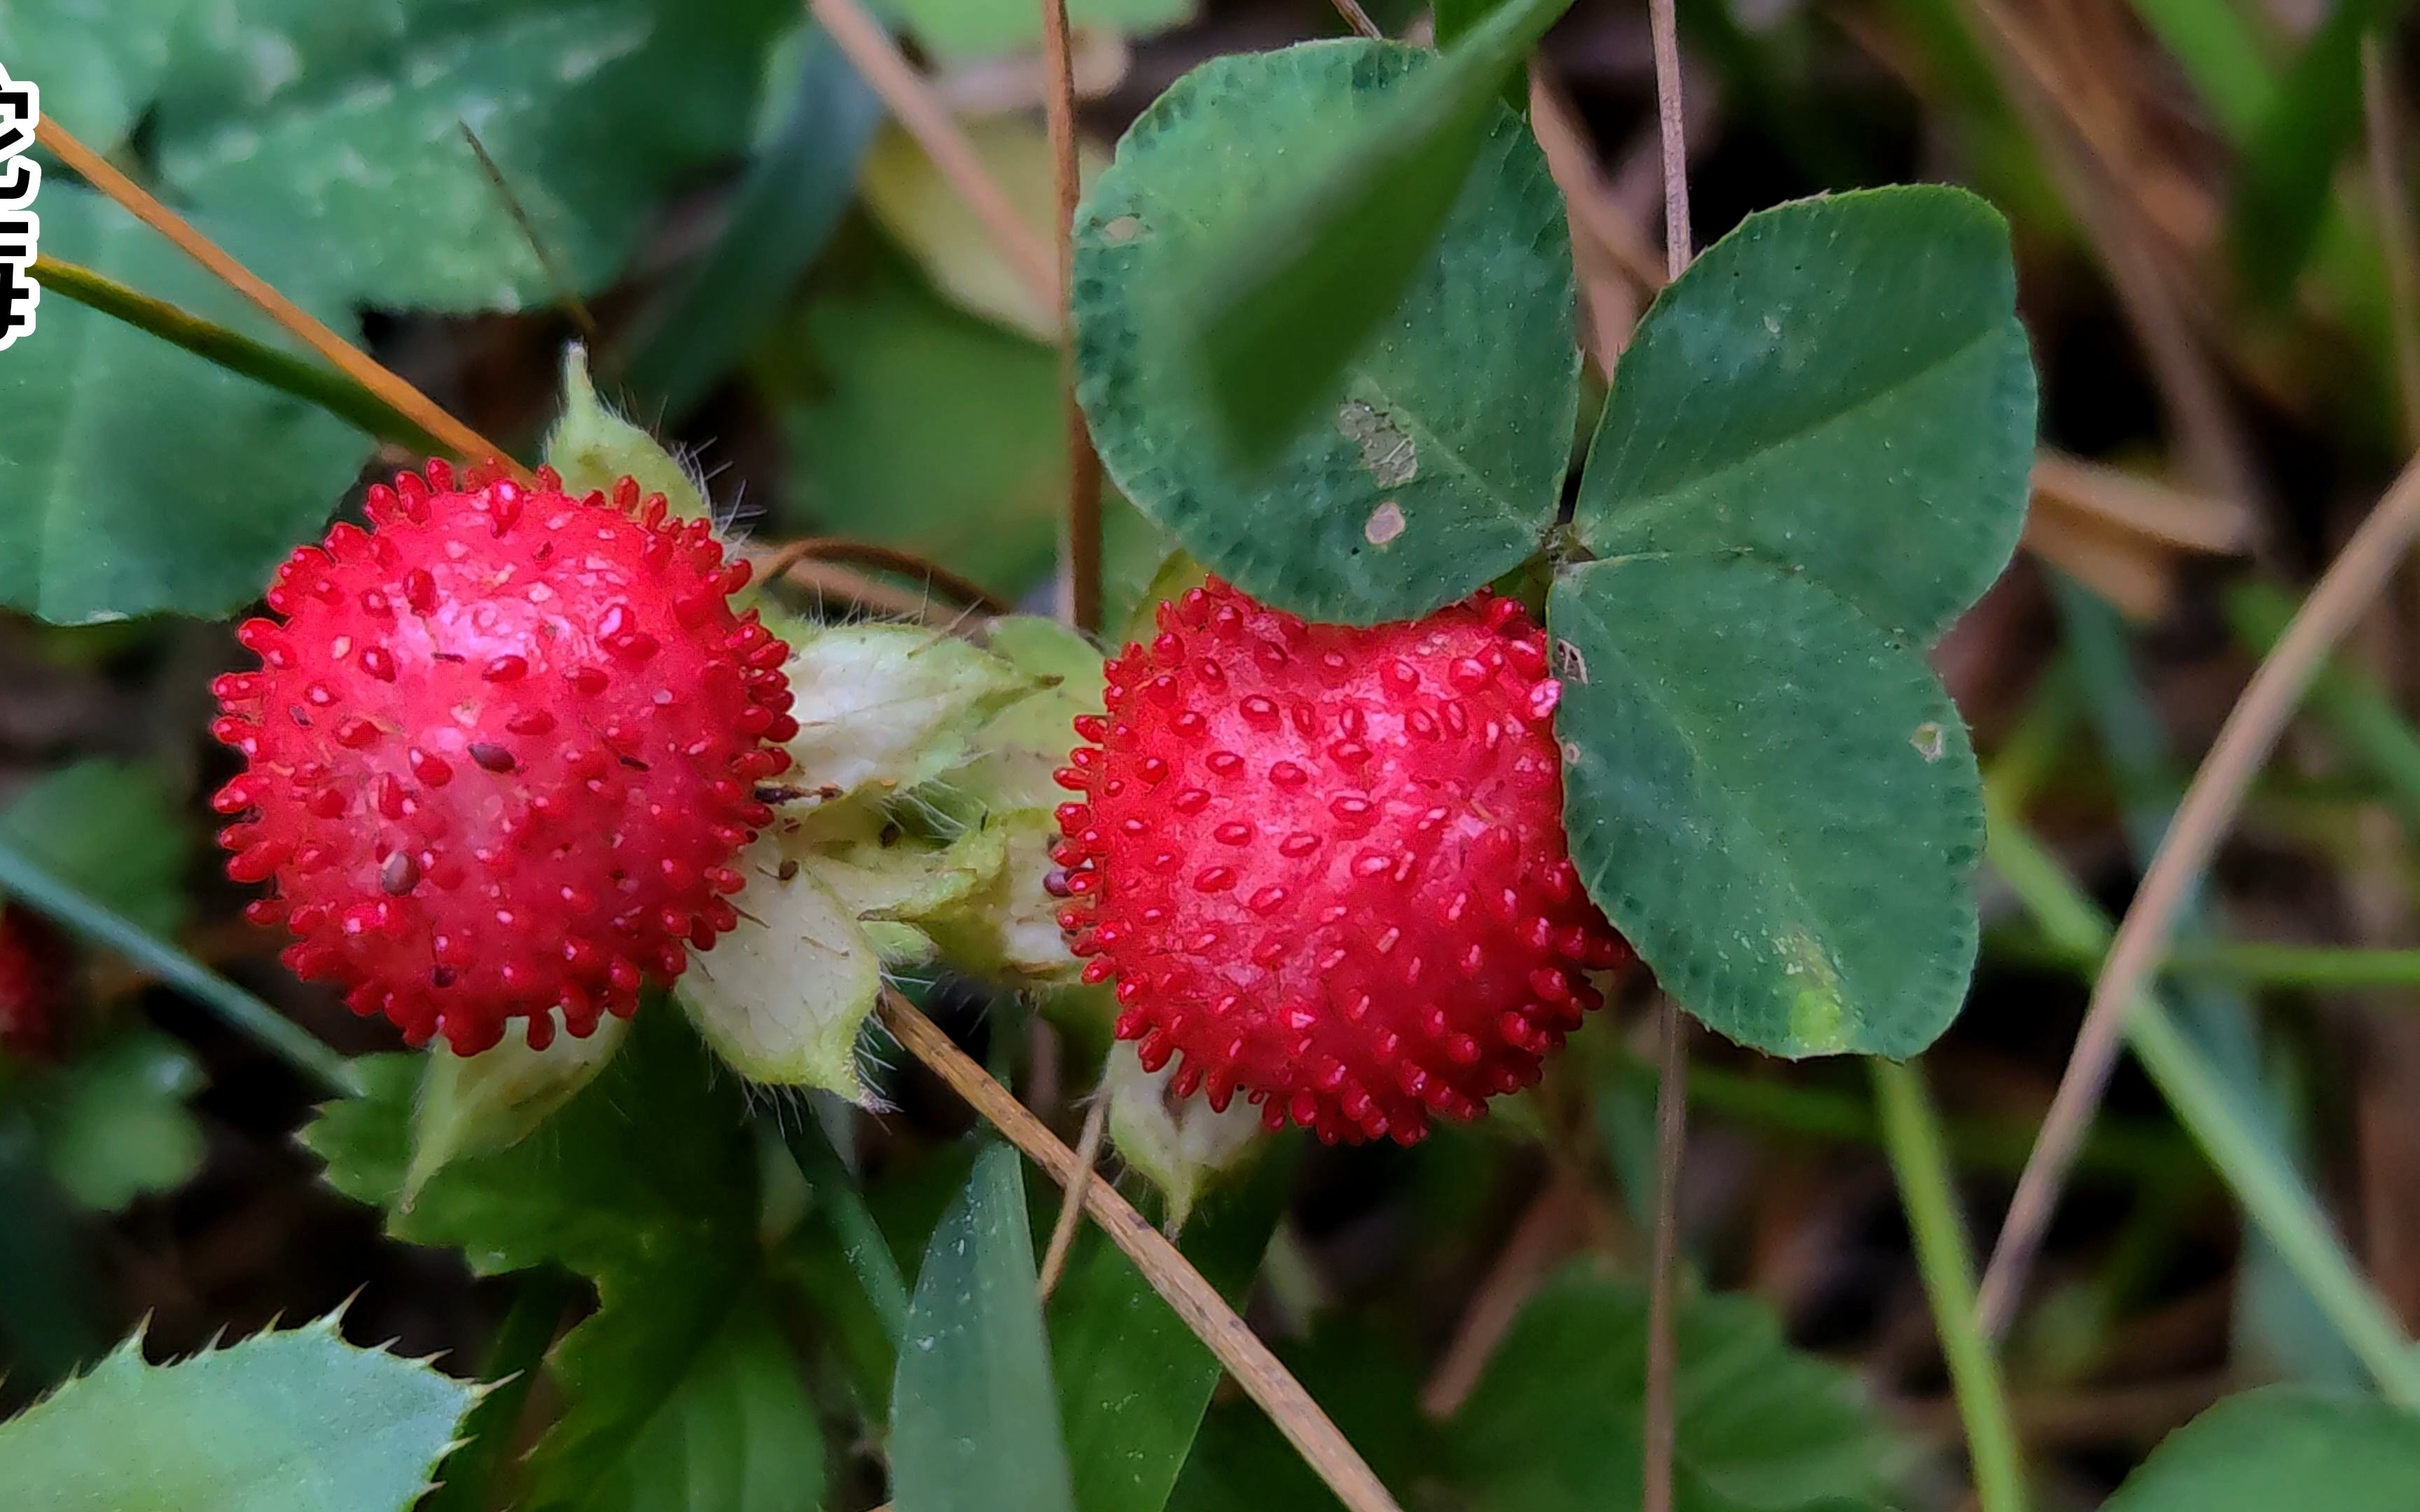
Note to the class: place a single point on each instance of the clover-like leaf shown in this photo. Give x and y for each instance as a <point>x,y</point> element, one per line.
<point>298,1421</point>
<point>1554,1423</point>
<point>1437,461</point>
<point>1840,386</point>
<point>2282,1447</point>
<point>1772,799</point>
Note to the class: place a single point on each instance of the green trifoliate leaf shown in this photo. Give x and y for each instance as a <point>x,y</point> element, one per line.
<point>298,1421</point>
<point>1840,387</point>
<point>1773,800</point>
<point>1420,418</point>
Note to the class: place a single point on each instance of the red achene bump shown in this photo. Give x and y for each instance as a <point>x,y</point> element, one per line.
<point>1325,866</point>
<point>501,752</point>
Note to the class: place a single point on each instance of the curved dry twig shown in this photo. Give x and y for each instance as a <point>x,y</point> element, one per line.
<point>785,561</point>
<point>1071,1206</point>
<point>1082,599</point>
<point>1194,1300</point>
<point>2244,743</point>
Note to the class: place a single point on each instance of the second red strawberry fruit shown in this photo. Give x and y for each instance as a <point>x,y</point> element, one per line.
<point>1325,865</point>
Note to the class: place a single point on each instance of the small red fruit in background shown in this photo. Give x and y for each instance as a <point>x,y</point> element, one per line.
<point>33,985</point>
<point>1325,865</point>
<point>501,752</point>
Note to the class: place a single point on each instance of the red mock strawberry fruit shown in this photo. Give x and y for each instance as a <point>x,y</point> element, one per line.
<point>500,753</point>
<point>1325,865</point>
<point>33,985</point>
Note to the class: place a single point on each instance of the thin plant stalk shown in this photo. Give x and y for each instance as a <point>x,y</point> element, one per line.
<point>2211,801</point>
<point>1660,1420</point>
<point>1083,466</point>
<point>1071,1206</point>
<point>1919,1158</point>
<point>920,110</point>
<point>2255,963</point>
<point>1358,19</point>
<point>238,354</point>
